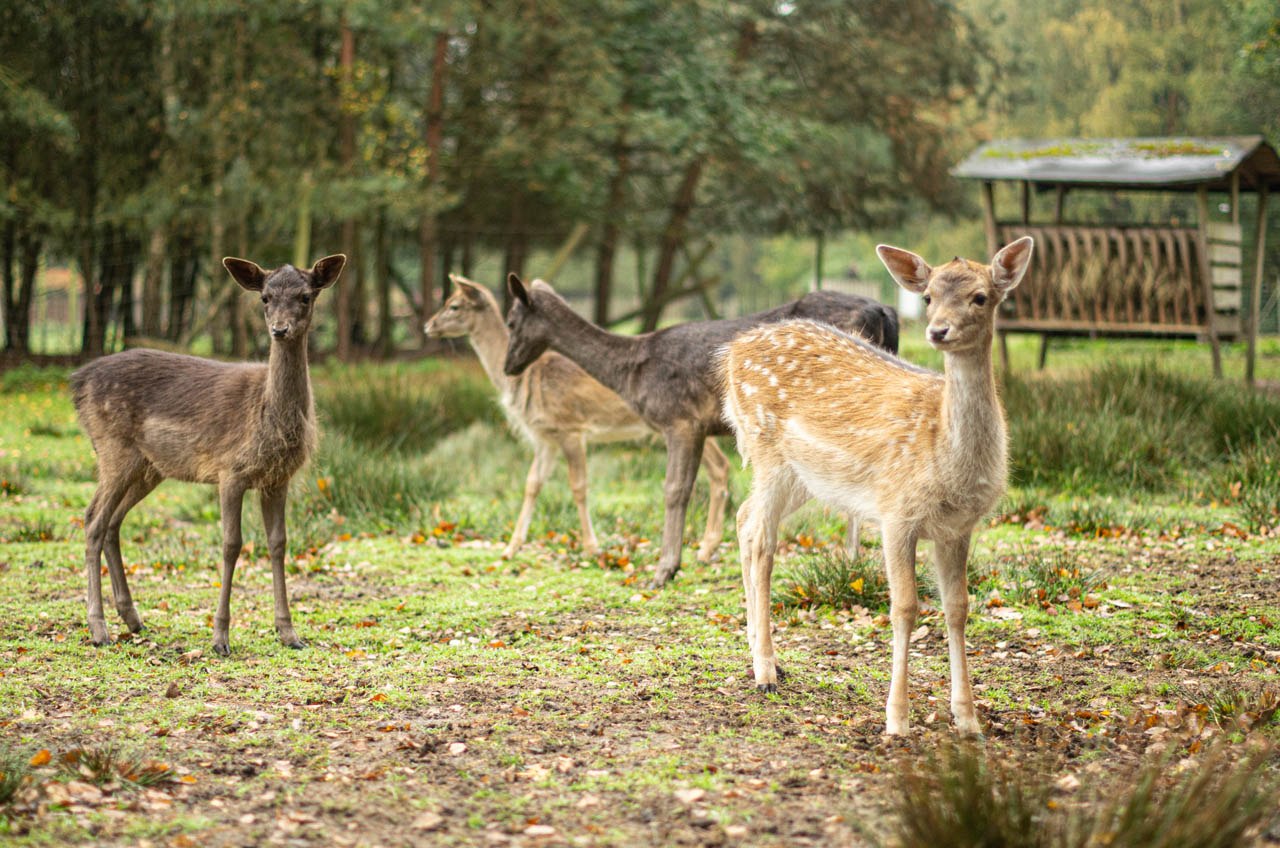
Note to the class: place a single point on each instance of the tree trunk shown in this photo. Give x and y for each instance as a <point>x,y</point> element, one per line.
<point>607,249</point>
<point>673,236</point>
<point>8,283</point>
<point>18,314</point>
<point>342,303</point>
<point>428,233</point>
<point>184,271</point>
<point>382,280</point>
<point>517,251</point>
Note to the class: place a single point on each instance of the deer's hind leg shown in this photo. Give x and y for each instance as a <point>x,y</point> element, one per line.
<point>273,512</point>
<point>717,466</point>
<point>142,486</point>
<point>231,499</point>
<point>114,482</point>
<point>774,496</point>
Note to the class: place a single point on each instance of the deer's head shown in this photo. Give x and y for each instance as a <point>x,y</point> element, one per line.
<point>528,323</point>
<point>288,293</point>
<point>461,313</point>
<point>961,296</point>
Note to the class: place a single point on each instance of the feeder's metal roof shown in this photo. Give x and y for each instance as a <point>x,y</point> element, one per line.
<point>1176,163</point>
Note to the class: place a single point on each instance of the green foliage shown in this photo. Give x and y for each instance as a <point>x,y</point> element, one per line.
<point>366,485</point>
<point>403,411</point>
<point>27,377</point>
<point>1110,430</point>
<point>959,795</point>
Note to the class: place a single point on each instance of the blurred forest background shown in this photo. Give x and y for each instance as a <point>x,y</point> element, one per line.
<point>655,159</point>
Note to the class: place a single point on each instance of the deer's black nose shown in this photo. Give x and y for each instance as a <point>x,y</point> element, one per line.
<point>278,331</point>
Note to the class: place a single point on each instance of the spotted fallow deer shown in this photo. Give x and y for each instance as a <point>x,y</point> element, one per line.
<point>669,377</point>
<point>153,416</point>
<point>558,406</point>
<point>822,414</point>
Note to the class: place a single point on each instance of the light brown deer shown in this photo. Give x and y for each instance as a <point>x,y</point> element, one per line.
<point>153,416</point>
<point>822,414</point>
<point>557,405</point>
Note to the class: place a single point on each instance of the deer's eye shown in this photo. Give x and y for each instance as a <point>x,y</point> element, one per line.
<point>306,298</point>
<point>454,307</point>
<point>979,300</point>
<point>927,300</point>
<point>266,299</point>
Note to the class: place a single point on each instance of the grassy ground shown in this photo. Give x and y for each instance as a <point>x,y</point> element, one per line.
<point>450,697</point>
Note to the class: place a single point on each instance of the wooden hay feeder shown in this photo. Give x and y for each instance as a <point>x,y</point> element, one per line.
<point>1132,279</point>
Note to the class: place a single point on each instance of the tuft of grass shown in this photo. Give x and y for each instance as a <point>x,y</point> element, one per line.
<point>1036,576</point>
<point>42,528</point>
<point>1251,481</point>
<point>106,765</point>
<point>834,580</point>
<point>12,482</point>
<point>14,770</point>
<point>956,796</point>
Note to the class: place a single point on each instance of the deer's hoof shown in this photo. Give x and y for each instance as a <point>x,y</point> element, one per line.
<point>295,643</point>
<point>222,649</point>
<point>768,688</point>
<point>100,643</point>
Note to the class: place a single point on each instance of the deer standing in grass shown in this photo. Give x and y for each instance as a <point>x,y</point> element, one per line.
<point>557,405</point>
<point>822,414</point>
<point>153,416</point>
<point>669,377</point>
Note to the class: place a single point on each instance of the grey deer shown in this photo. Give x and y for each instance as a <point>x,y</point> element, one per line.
<point>822,414</point>
<point>669,377</point>
<point>153,415</point>
<point>558,406</point>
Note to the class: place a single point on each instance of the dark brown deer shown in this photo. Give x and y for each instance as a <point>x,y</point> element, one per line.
<point>556,405</point>
<point>154,416</point>
<point>669,377</point>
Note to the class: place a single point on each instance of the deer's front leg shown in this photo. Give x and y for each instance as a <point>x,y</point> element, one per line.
<point>575,455</point>
<point>684,452</point>
<point>231,498</point>
<point>900,563</point>
<point>273,510</point>
<point>539,470</point>
<point>952,556</point>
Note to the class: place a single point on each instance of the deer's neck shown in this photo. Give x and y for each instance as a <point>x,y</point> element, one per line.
<point>287,395</point>
<point>973,421</point>
<point>489,341</point>
<point>605,356</point>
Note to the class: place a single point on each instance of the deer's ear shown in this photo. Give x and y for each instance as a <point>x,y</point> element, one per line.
<point>469,288</point>
<point>908,270</point>
<point>326,271</point>
<point>1011,263</point>
<point>517,289</point>
<point>246,273</point>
